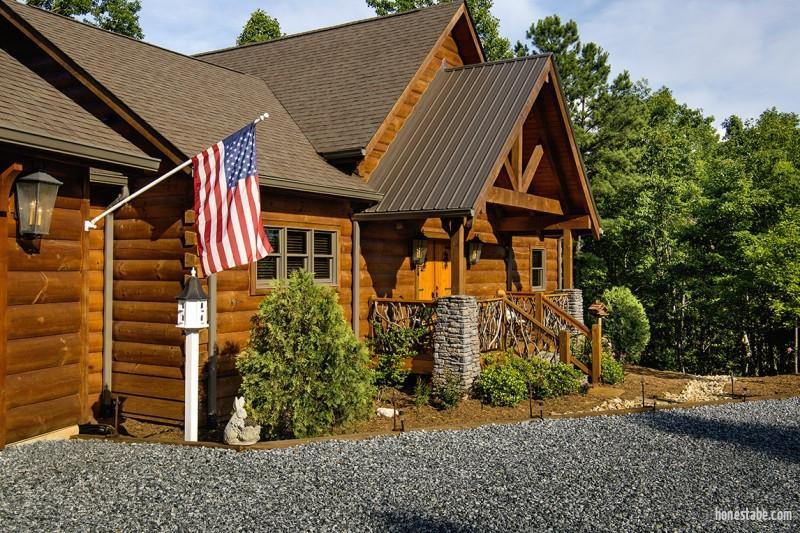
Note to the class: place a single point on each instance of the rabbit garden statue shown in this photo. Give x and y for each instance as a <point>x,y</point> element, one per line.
<point>237,432</point>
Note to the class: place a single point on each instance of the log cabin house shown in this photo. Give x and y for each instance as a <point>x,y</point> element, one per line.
<point>386,137</point>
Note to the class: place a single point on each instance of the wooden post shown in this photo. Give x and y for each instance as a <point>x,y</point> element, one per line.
<point>538,307</point>
<point>597,350</point>
<point>356,267</point>
<point>566,257</point>
<point>564,346</point>
<point>6,182</point>
<point>458,262</point>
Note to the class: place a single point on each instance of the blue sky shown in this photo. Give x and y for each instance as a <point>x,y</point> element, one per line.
<point>726,57</point>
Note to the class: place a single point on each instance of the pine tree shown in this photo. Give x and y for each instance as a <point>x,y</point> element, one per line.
<point>259,27</point>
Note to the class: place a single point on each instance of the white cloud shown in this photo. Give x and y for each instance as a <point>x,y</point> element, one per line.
<point>732,57</point>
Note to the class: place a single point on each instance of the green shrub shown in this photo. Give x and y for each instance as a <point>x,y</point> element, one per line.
<point>611,371</point>
<point>448,392</point>
<point>505,380</point>
<point>391,347</point>
<point>502,385</point>
<point>304,372</point>
<point>626,326</point>
<point>563,379</point>
<point>422,392</point>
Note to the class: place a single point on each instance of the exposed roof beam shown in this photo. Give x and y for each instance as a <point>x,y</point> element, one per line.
<point>523,224</point>
<point>530,168</point>
<point>516,159</point>
<point>522,200</point>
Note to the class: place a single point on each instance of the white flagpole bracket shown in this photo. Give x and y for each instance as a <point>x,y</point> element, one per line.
<point>92,224</point>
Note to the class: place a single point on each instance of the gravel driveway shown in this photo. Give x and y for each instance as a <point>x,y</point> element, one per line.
<point>667,470</point>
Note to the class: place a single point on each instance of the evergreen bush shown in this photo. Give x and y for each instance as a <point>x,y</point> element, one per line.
<point>626,326</point>
<point>505,380</point>
<point>304,371</point>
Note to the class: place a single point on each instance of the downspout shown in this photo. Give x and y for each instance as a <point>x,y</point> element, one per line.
<point>212,352</point>
<point>106,404</point>
<point>356,273</point>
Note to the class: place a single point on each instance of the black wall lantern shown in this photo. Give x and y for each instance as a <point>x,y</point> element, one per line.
<point>474,248</point>
<point>419,251</point>
<point>35,198</point>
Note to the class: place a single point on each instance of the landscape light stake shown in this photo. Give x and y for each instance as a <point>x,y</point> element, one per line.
<point>530,400</point>
<point>744,394</point>
<point>642,391</point>
<point>541,409</point>
<point>732,393</point>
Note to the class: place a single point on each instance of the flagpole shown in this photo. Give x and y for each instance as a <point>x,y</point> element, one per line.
<point>92,224</point>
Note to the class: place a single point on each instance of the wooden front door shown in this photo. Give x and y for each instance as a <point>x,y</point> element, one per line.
<point>433,278</point>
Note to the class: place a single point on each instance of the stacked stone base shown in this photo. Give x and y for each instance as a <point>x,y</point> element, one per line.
<point>456,342</point>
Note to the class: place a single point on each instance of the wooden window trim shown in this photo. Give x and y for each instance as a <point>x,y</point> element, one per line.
<point>543,250</point>
<point>255,290</point>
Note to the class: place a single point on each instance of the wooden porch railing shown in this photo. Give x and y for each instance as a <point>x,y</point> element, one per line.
<point>549,310</point>
<point>504,325</point>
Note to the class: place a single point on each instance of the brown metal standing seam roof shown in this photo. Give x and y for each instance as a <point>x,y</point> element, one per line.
<point>194,104</point>
<point>444,154</point>
<point>340,83</point>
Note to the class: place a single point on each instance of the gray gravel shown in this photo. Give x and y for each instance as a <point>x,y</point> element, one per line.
<point>668,470</point>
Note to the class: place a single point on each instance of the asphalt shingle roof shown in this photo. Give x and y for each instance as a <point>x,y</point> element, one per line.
<point>193,103</point>
<point>443,155</point>
<point>30,104</point>
<point>340,83</point>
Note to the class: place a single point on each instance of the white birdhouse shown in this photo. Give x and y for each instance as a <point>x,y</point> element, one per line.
<point>192,305</point>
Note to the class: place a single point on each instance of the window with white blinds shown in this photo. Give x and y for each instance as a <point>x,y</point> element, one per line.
<point>298,249</point>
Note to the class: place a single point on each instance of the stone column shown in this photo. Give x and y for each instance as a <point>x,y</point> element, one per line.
<point>574,304</point>
<point>456,342</point>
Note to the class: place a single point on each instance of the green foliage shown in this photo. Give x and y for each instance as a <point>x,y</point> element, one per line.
<point>258,28</point>
<point>304,372</point>
<point>505,379</point>
<point>448,392</point>
<point>422,391</point>
<point>502,384</point>
<point>392,346</point>
<point>487,26</point>
<point>119,16</point>
<point>626,326</point>
<point>611,370</point>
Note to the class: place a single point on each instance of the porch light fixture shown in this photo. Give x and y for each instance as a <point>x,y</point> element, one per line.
<point>419,251</point>
<point>474,248</point>
<point>35,199</point>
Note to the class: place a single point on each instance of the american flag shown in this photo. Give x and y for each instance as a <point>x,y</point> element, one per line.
<point>228,204</point>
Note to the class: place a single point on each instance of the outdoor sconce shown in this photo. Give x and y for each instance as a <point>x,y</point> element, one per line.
<point>419,251</point>
<point>474,248</point>
<point>35,198</point>
<point>192,305</point>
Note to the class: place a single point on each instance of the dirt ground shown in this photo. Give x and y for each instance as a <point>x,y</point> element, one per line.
<point>665,388</point>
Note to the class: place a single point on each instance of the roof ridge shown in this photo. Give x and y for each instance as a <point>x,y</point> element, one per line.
<point>139,41</point>
<point>500,62</point>
<point>328,28</point>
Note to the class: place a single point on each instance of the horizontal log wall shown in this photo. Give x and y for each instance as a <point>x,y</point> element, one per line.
<point>49,317</point>
<point>150,261</point>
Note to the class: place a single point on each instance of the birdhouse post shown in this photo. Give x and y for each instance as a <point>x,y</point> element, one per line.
<point>192,317</point>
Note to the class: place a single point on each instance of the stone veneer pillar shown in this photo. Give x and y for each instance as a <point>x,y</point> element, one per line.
<point>574,303</point>
<point>456,342</point>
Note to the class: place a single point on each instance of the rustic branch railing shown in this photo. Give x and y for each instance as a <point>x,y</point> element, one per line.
<point>571,333</point>
<point>386,312</point>
<point>504,325</point>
